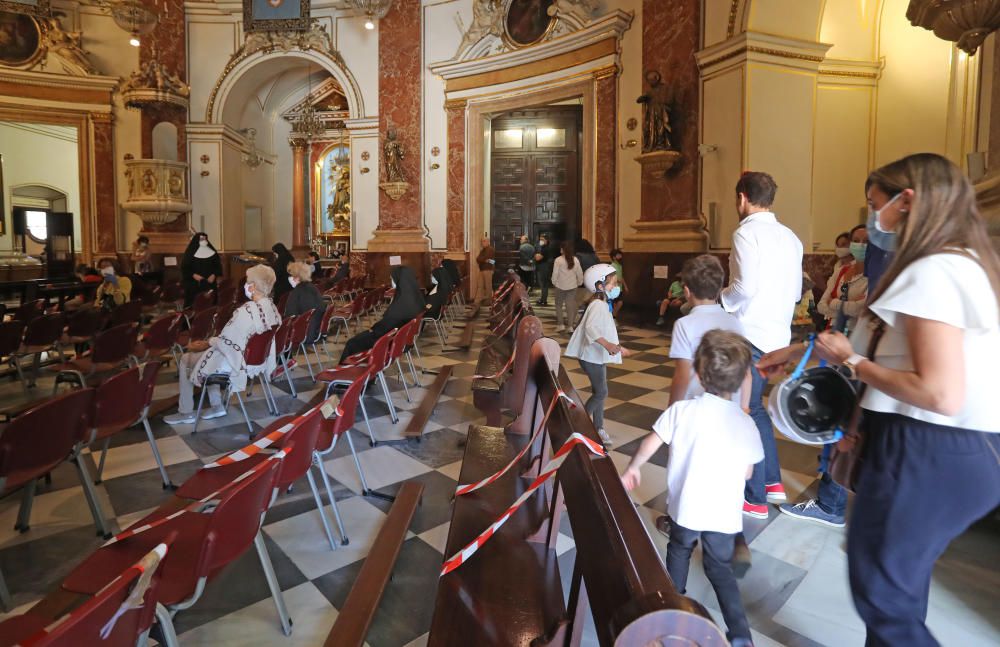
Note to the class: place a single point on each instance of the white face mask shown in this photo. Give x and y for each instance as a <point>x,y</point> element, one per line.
<point>842,252</point>
<point>393,281</point>
<point>108,271</point>
<point>293,282</point>
<point>248,290</point>
<point>203,243</point>
<point>875,215</point>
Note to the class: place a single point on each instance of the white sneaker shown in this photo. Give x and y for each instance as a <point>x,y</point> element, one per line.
<point>180,418</point>
<point>213,412</point>
<point>605,438</point>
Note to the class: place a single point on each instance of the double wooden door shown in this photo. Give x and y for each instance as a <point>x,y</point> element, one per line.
<point>534,178</point>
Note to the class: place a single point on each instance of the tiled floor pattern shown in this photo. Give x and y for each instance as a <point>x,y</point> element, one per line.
<point>795,594</point>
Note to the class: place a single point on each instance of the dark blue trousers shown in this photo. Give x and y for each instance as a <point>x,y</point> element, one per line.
<point>921,486</point>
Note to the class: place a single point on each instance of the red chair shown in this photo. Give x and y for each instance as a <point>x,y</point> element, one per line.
<point>172,295</point>
<point>283,348</point>
<point>396,350</point>
<point>323,334</point>
<point>347,314</point>
<point>130,312</point>
<point>341,426</point>
<point>41,335</point>
<point>200,327</point>
<point>300,330</point>
<point>11,334</point>
<point>370,364</point>
<point>89,623</point>
<point>112,350</point>
<point>202,301</point>
<point>29,310</point>
<point>302,437</point>
<point>227,294</point>
<point>209,537</point>
<point>254,355</point>
<point>282,302</point>
<point>160,339</point>
<point>38,441</point>
<point>224,315</point>
<point>82,325</point>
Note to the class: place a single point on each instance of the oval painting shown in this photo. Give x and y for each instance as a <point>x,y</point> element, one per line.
<point>528,20</point>
<point>19,38</point>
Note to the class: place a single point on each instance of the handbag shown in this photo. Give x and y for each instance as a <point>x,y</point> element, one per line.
<point>847,455</point>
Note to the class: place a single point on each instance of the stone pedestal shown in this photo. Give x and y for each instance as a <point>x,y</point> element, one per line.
<point>412,247</point>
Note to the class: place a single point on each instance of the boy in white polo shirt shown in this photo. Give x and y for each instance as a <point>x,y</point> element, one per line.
<point>713,448</point>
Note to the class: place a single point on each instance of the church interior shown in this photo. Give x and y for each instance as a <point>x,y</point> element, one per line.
<point>174,173</point>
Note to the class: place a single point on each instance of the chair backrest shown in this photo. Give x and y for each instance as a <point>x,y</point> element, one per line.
<point>329,429</point>
<point>149,372</point>
<point>227,295</point>
<point>85,322</point>
<point>282,302</point>
<point>258,348</point>
<point>410,331</point>
<point>172,292</point>
<point>301,327</point>
<point>379,357</point>
<point>45,330</point>
<point>163,332</point>
<point>29,310</point>
<point>300,441</point>
<point>358,305</point>
<point>83,625</point>
<point>42,437</point>
<point>203,323</point>
<point>237,517</point>
<point>398,344</point>
<point>114,344</point>
<point>11,333</point>
<point>283,335</point>
<point>324,324</point>
<point>129,312</point>
<point>118,403</point>
<point>203,300</point>
<point>225,313</point>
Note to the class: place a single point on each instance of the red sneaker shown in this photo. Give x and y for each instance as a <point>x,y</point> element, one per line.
<point>775,493</point>
<point>754,510</point>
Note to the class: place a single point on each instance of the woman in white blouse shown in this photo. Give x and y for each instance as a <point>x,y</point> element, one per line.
<point>931,458</point>
<point>847,288</point>
<point>567,276</point>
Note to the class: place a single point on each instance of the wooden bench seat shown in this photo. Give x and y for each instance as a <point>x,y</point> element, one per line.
<point>523,607</point>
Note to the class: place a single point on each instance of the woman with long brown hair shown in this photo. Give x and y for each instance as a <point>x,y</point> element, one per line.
<point>567,276</point>
<point>931,458</point>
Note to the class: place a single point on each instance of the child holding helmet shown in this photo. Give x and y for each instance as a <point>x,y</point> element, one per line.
<point>595,341</point>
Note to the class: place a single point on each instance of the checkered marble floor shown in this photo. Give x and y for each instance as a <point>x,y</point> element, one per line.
<point>795,594</point>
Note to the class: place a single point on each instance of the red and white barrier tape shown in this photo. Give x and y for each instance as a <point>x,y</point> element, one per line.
<point>146,567</point>
<point>472,487</point>
<point>510,362</point>
<point>548,472</point>
<point>194,506</point>
<point>261,443</point>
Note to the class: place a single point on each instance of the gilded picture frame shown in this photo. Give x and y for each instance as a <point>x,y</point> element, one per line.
<point>40,8</point>
<point>20,39</point>
<point>275,15</point>
<point>527,22</point>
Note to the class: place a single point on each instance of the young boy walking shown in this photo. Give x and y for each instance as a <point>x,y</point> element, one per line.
<point>713,448</point>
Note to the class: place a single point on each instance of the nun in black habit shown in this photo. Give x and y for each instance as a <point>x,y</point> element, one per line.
<point>452,269</point>
<point>282,257</point>
<point>201,267</point>
<point>407,303</point>
<point>437,295</point>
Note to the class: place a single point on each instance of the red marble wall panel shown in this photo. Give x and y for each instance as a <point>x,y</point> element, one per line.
<point>359,263</point>
<point>994,142</point>
<point>670,36</point>
<point>165,44</point>
<point>105,236</point>
<point>456,181</point>
<point>399,108</point>
<point>606,99</point>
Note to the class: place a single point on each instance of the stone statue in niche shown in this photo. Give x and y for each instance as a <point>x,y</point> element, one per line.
<point>656,128</point>
<point>393,154</point>
<point>338,211</point>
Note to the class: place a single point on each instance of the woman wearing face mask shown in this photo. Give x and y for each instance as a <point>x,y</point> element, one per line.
<point>847,289</point>
<point>201,267</point>
<point>282,257</point>
<point>304,296</point>
<point>437,294</point>
<point>224,354</point>
<point>114,290</point>
<point>595,341</point>
<point>407,303</point>
<point>931,455</point>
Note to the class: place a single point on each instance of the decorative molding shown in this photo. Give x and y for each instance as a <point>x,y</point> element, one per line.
<point>153,84</point>
<point>756,46</point>
<point>63,88</point>
<point>685,235</point>
<point>395,190</point>
<point>456,104</point>
<point>606,72</point>
<point>966,23</point>
<point>66,45</point>
<point>733,9</point>
<point>399,240</point>
<point>157,190</point>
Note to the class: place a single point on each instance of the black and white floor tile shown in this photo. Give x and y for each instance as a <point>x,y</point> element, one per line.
<point>796,593</point>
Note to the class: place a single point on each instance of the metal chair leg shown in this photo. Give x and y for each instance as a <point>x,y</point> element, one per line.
<point>288,376</point>
<point>402,379</point>
<point>357,464</point>
<point>440,331</point>
<point>272,583</point>
<point>100,464</point>
<point>5,602</point>
<point>91,495</point>
<point>319,502</point>
<point>166,623</point>
<point>388,397</point>
<point>167,484</point>
<point>333,505</point>
<point>305,356</point>
<point>239,399</point>
<point>197,414</point>
<point>23,522</point>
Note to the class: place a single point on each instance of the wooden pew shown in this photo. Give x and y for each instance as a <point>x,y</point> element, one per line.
<point>358,611</point>
<point>510,592</point>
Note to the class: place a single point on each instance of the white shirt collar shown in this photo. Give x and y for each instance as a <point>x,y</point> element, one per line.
<point>760,216</point>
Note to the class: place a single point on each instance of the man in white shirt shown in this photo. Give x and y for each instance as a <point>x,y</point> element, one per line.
<point>765,282</point>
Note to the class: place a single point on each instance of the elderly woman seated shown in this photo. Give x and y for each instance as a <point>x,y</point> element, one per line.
<point>224,354</point>
<point>304,297</point>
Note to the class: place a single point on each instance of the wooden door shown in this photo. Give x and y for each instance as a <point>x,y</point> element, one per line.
<point>534,178</point>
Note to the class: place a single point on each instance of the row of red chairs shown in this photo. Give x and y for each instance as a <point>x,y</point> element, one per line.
<point>211,520</point>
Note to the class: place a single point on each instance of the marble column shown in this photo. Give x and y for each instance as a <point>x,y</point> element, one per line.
<point>105,237</point>
<point>606,101</point>
<point>456,179</point>
<point>300,192</point>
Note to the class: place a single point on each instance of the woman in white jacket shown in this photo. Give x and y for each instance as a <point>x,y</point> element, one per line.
<point>567,275</point>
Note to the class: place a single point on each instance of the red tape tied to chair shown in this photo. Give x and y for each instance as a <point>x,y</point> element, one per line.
<point>355,360</point>
<point>502,291</point>
<point>146,567</point>
<point>548,472</point>
<point>510,362</point>
<point>472,487</point>
<point>260,444</point>
<point>195,506</point>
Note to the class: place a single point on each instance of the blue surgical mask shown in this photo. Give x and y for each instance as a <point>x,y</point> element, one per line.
<point>881,238</point>
<point>858,251</point>
<point>615,292</point>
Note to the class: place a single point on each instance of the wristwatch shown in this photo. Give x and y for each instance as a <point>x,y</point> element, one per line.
<point>851,364</point>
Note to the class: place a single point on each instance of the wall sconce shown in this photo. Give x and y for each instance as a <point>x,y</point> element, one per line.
<point>629,144</point>
<point>435,166</point>
<point>251,158</point>
<point>205,173</point>
<point>705,149</point>
<point>364,169</point>
<point>631,123</point>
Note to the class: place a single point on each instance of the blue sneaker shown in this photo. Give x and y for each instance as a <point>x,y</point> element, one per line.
<point>810,511</point>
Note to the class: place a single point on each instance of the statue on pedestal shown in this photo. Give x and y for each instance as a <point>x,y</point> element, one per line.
<point>656,128</point>
<point>393,154</point>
